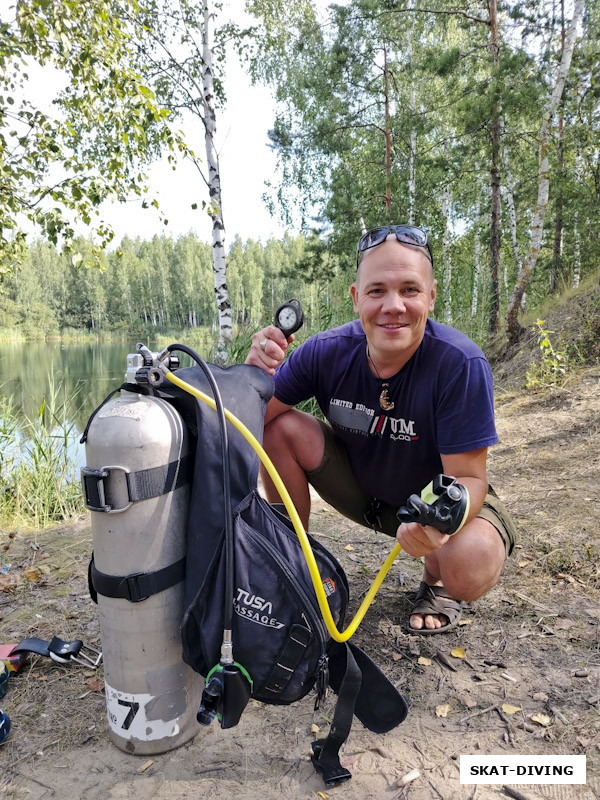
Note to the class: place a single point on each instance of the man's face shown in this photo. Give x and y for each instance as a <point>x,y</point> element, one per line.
<point>393,295</point>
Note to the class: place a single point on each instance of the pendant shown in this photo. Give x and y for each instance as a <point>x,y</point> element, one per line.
<point>384,400</point>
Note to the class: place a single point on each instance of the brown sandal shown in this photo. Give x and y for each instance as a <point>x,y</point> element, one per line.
<point>436,600</point>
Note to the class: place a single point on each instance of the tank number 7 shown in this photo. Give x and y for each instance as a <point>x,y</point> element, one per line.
<point>133,709</point>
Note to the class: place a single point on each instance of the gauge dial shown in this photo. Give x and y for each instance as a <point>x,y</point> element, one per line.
<point>289,317</point>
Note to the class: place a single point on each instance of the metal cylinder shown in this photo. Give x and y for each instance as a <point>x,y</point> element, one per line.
<point>151,695</point>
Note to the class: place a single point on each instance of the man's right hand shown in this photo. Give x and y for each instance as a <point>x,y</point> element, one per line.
<point>269,348</point>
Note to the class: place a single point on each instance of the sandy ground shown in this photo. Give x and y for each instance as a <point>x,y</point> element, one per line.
<point>533,643</point>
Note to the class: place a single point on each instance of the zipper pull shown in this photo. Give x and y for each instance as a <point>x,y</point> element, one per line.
<point>322,680</point>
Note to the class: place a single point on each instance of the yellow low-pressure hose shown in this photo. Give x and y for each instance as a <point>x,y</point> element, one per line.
<point>298,527</point>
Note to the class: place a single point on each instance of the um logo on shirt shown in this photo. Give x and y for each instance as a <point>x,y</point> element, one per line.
<point>362,420</point>
<point>398,429</point>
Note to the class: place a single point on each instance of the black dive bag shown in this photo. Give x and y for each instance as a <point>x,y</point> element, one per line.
<point>279,637</point>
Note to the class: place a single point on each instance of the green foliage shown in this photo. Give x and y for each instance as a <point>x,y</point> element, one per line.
<point>550,370</point>
<point>61,158</point>
<point>442,88</point>
<point>164,288</point>
<point>38,480</point>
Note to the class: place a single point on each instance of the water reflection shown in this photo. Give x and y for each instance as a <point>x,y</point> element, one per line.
<point>80,375</point>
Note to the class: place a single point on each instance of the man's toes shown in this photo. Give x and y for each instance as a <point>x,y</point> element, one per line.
<point>433,621</point>
<point>416,622</point>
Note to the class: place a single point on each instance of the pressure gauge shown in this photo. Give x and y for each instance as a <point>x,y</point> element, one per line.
<point>289,317</point>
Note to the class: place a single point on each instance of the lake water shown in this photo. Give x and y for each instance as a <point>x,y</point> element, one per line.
<point>82,374</point>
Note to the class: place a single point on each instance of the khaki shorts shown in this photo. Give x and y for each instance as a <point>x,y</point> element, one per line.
<point>334,481</point>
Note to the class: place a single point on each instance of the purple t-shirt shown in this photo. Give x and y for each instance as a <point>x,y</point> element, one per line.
<point>443,403</point>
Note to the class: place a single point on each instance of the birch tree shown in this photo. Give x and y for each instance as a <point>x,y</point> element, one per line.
<point>178,45</point>
<point>513,328</point>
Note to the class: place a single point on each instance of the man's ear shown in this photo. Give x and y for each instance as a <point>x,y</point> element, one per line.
<point>433,296</point>
<point>354,293</point>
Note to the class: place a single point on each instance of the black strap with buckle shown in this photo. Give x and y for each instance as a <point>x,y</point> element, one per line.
<point>140,485</point>
<point>61,651</point>
<point>136,587</point>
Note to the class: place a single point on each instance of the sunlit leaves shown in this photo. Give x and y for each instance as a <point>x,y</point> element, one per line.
<point>59,162</point>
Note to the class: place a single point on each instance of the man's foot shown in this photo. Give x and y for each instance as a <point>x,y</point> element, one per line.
<point>434,610</point>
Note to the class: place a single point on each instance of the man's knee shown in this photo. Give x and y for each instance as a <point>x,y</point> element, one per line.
<point>471,564</point>
<point>298,435</point>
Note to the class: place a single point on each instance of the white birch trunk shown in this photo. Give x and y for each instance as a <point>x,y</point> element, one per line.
<point>214,187</point>
<point>446,260</point>
<point>576,234</point>
<point>576,238</point>
<point>537,226</point>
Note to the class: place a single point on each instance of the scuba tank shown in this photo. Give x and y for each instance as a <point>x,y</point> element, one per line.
<point>137,486</point>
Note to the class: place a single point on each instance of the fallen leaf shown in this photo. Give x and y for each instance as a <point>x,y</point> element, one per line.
<point>44,569</point>
<point>462,622</point>
<point>444,710</point>
<point>424,662</point>
<point>348,547</point>
<point>468,702</point>
<point>541,697</point>
<point>95,684</point>
<point>541,719</point>
<point>396,656</point>
<point>7,583</point>
<point>508,709</point>
<point>524,563</point>
<point>32,574</point>
<point>323,795</point>
<point>459,652</point>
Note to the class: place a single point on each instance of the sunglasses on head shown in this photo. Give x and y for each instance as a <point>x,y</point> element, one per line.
<point>406,234</point>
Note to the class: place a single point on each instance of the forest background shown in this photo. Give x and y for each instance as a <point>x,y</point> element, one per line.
<point>478,122</point>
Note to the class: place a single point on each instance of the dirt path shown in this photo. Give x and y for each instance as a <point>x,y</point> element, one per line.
<point>532,643</point>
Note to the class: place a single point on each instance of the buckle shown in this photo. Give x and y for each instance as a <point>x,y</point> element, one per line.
<point>64,652</point>
<point>94,490</point>
<point>90,661</point>
<point>131,589</point>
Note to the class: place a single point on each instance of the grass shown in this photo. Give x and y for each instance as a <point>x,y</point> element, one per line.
<point>38,481</point>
